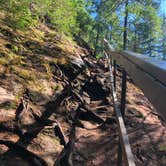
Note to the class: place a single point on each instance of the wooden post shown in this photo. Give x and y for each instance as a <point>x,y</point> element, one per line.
<point>120,155</point>
<point>115,68</point>
<point>123,93</point>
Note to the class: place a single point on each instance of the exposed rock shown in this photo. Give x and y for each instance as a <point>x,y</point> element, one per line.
<point>77,60</point>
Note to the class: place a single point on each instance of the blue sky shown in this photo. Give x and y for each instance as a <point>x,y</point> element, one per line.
<point>163,6</point>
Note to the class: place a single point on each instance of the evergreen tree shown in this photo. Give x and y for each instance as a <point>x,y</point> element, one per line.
<point>162,49</point>
<point>131,24</point>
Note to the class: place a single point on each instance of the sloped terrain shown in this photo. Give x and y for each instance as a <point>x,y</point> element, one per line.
<point>56,108</point>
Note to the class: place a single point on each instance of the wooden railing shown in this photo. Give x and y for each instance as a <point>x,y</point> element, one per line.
<point>148,74</point>
<point>124,149</point>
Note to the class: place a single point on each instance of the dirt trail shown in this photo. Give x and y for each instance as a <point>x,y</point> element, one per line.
<point>78,127</point>
<point>96,143</point>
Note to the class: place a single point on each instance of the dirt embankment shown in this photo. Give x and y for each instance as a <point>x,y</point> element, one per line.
<point>56,108</point>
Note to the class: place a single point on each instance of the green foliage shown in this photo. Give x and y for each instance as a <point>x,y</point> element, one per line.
<point>18,13</point>
<point>143,24</point>
<point>8,105</point>
<point>92,20</point>
<point>61,14</point>
<point>144,27</point>
<point>162,46</point>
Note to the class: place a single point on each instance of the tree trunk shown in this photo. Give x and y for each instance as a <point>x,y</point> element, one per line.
<point>135,40</point>
<point>97,40</point>
<point>125,26</point>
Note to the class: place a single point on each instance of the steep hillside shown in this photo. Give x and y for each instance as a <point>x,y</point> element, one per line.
<point>29,59</point>
<point>56,108</point>
<point>32,67</point>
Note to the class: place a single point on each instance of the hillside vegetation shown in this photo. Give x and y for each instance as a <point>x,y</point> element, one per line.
<point>37,59</point>
<point>137,25</point>
<point>55,103</point>
<point>29,53</point>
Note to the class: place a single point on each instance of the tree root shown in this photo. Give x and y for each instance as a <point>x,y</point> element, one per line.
<point>59,132</point>
<point>86,113</point>
<point>89,116</point>
<point>65,157</point>
<point>10,127</point>
<point>24,153</point>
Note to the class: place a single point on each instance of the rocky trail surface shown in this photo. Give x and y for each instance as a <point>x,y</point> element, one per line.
<point>77,126</point>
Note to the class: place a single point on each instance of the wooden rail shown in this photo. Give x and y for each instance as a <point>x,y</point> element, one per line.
<point>147,73</point>
<point>124,145</point>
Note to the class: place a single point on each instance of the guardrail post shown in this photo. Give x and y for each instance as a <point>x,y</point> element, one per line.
<point>120,155</point>
<point>122,108</point>
<point>123,93</point>
<point>115,68</point>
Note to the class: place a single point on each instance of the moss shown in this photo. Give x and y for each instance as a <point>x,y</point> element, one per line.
<point>48,70</point>
<point>11,59</point>
<point>56,140</point>
<point>9,105</point>
<point>26,74</point>
<point>3,61</point>
<point>15,48</point>
<point>24,56</point>
<point>35,34</point>
<point>162,148</point>
<point>46,135</point>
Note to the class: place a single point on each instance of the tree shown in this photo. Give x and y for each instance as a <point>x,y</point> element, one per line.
<point>22,14</point>
<point>162,47</point>
<point>104,13</point>
<point>17,13</point>
<point>142,23</point>
<point>125,25</point>
<point>129,24</point>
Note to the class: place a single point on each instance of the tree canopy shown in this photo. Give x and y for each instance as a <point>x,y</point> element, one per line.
<point>136,25</point>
